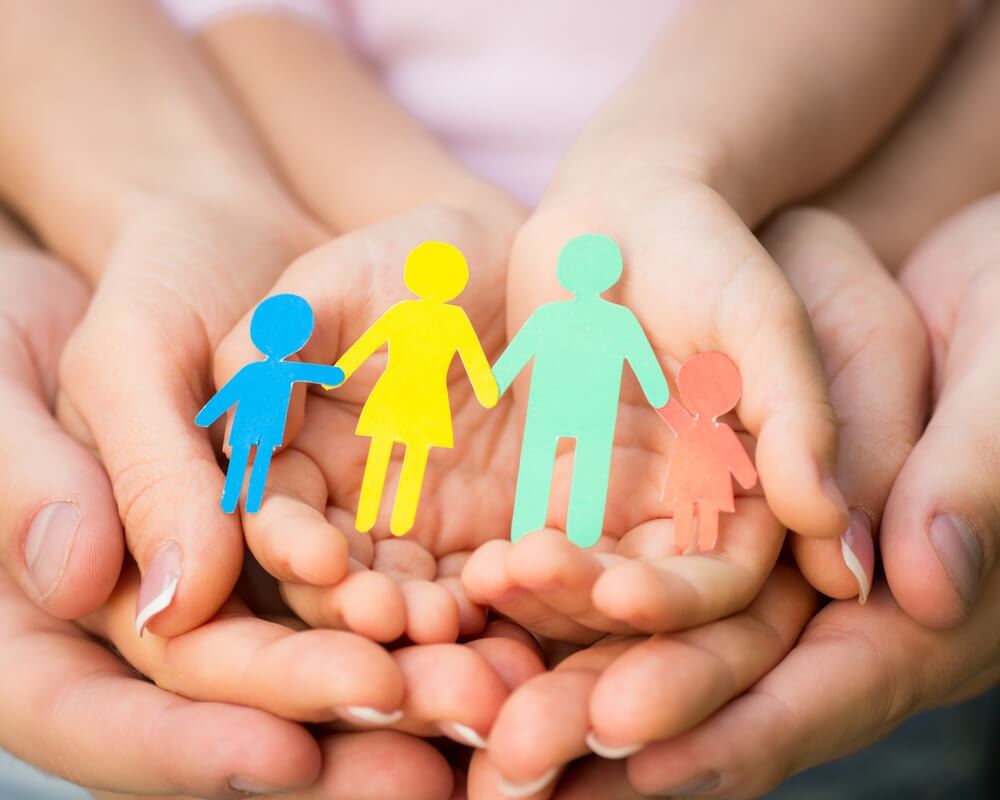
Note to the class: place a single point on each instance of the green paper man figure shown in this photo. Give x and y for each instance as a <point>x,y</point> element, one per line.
<point>579,347</point>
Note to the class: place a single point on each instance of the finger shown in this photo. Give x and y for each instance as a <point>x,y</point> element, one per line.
<point>290,536</point>
<point>472,617</point>
<point>451,690</point>
<point>669,683</point>
<point>375,765</point>
<point>875,355</point>
<point>870,663</point>
<point>365,602</point>
<point>60,537</point>
<point>596,777</point>
<point>143,739</point>
<point>138,402</point>
<point>486,783</point>
<point>942,525</point>
<point>279,670</point>
<point>545,722</point>
<point>488,582</point>
<point>431,612</point>
<point>562,576</point>
<point>683,591</point>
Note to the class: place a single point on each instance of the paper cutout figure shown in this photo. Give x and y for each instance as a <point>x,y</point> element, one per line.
<point>261,391</point>
<point>579,348</point>
<point>410,404</point>
<point>707,451</point>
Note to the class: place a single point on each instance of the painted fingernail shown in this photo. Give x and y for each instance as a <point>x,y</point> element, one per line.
<point>251,788</point>
<point>960,551</point>
<point>363,715</point>
<point>509,789</point>
<point>159,584</point>
<point>858,549</point>
<point>611,753</point>
<point>463,734</point>
<point>700,784</point>
<point>48,545</point>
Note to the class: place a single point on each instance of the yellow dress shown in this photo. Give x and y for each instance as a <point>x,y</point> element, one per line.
<point>410,402</point>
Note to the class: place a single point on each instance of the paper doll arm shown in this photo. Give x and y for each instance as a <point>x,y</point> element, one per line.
<point>739,462</point>
<point>316,373</point>
<point>641,358</point>
<point>223,400</point>
<point>517,354</point>
<point>359,352</point>
<point>477,366</point>
<point>675,415</point>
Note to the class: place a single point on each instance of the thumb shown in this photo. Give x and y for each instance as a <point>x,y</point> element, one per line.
<point>60,537</point>
<point>874,353</point>
<point>942,523</point>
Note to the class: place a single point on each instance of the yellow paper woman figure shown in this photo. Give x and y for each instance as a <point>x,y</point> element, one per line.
<point>409,404</point>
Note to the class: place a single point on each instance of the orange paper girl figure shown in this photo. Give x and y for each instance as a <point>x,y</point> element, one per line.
<point>409,404</point>
<point>706,450</point>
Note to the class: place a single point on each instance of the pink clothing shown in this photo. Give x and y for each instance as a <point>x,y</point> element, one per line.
<point>506,85</point>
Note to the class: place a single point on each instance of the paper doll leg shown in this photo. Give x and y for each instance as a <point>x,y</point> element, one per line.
<point>372,484</point>
<point>534,480</point>
<point>258,477</point>
<point>238,459</point>
<point>589,493</point>
<point>683,525</point>
<point>708,527</point>
<point>411,480</point>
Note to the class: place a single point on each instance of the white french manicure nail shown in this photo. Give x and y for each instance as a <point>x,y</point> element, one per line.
<point>363,715</point>
<point>610,753</point>
<point>515,790</point>
<point>159,584</point>
<point>463,734</point>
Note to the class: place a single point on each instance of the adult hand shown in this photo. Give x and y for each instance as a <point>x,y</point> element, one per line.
<point>877,664</point>
<point>60,538</point>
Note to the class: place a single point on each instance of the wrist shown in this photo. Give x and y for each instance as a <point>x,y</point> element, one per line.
<point>638,168</point>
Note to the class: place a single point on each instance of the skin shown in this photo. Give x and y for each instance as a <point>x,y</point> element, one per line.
<point>695,183</point>
<point>697,178</point>
<point>882,662</point>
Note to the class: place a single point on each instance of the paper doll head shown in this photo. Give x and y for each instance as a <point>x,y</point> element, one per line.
<point>709,384</point>
<point>590,264</point>
<point>436,271</point>
<point>281,325</point>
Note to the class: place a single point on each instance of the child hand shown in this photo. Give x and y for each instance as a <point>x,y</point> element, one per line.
<point>304,534</point>
<point>698,280</point>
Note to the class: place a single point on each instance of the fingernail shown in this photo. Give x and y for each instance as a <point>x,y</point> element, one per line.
<point>363,715</point>
<point>858,549</point>
<point>705,782</point>
<point>508,789</point>
<point>463,734</point>
<point>48,544</point>
<point>250,788</point>
<point>611,753</point>
<point>159,584</point>
<point>960,552</point>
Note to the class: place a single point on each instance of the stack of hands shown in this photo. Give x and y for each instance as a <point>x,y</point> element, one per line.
<point>172,187</point>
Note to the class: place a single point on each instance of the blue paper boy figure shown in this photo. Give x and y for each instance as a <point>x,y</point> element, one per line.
<point>261,391</point>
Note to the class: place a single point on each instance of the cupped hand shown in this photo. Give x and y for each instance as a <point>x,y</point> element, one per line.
<point>60,538</point>
<point>616,696</point>
<point>878,664</point>
<point>378,585</point>
<point>179,274</point>
<point>698,280</point>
